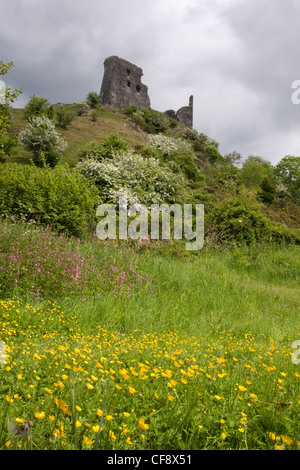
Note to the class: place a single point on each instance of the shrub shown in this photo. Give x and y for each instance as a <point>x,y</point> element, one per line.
<point>60,197</point>
<point>150,121</point>
<point>106,148</point>
<point>288,172</point>
<point>267,191</point>
<point>169,144</point>
<point>186,163</point>
<point>82,109</point>
<point>38,106</point>
<point>143,180</point>
<point>93,99</point>
<point>40,137</point>
<point>212,154</point>
<point>254,171</point>
<point>245,224</point>
<point>64,117</point>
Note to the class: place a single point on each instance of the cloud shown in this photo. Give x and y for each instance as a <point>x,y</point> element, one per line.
<point>237,57</point>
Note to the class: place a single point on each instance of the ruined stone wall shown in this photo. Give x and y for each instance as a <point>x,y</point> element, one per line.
<point>184,114</point>
<point>122,84</point>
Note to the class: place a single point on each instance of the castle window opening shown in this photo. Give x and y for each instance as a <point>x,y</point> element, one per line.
<point>138,88</point>
<point>128,84</point>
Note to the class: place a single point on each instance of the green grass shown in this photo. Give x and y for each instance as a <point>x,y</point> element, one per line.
<point>82,130</point>
<point>199,358</point>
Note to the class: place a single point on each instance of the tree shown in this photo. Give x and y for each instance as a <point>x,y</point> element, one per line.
<point>41,138</point>
<point>255,170</point>
<point>233,158</point>
<point>288,172</point>
<point>38,106</point>
<point>7,144</point>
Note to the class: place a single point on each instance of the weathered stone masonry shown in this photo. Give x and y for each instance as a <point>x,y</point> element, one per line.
<point>122,86</point>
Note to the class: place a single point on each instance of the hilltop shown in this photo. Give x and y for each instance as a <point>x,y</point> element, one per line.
<point>219,178</point>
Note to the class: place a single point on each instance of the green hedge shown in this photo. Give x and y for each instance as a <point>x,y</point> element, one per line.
<point>60,197</point>
<point>244,223</point>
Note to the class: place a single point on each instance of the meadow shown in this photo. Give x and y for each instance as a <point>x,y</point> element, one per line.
<point>177,351</point>
<point>143,345</point>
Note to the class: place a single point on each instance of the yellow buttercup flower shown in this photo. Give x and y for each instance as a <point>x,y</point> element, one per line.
<point>87,441</point>
<point>142,424</point>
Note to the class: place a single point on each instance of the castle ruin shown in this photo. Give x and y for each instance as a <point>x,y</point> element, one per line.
<point>122,86</point>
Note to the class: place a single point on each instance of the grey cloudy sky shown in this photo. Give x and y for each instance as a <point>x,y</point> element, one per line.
<point>237,57</point>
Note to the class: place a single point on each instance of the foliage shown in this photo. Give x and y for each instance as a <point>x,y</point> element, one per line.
<point>185,162</point>
<point>143,180</point>
<point>64,117</point>
<point>106,148</point>
<point>255,170</point>
<point>38,106</point>
<point>288,172</point>
<point>41,138</point>
<point>244,223</point>
<point>82,109</point>
<point>212,154</point>
<point>169,144</point>
<point>233,158</point>
<point>37,261</point>
<point>267,191</point>
<point>200,140</point>
<point>93,99</point>
<point>149,120</point>
<point>60,197</point>
<point>7,144</point>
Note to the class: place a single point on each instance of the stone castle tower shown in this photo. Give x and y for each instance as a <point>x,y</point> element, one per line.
<point>122,86</point>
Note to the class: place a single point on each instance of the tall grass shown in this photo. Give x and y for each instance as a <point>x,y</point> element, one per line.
<point>198,356</point>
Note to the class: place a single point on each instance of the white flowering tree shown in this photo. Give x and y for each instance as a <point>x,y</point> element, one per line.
<point>141,180</point>
<point>170,144</point>
<point>41,138</point>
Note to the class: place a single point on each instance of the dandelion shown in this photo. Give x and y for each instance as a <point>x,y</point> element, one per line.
<point>242,388</point>
<point>131,390</point>
<point>129,441</point>
<point>40,415</point>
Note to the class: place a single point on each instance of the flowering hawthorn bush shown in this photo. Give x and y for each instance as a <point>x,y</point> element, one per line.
<point>40,137</point>
<point>143,180</point>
